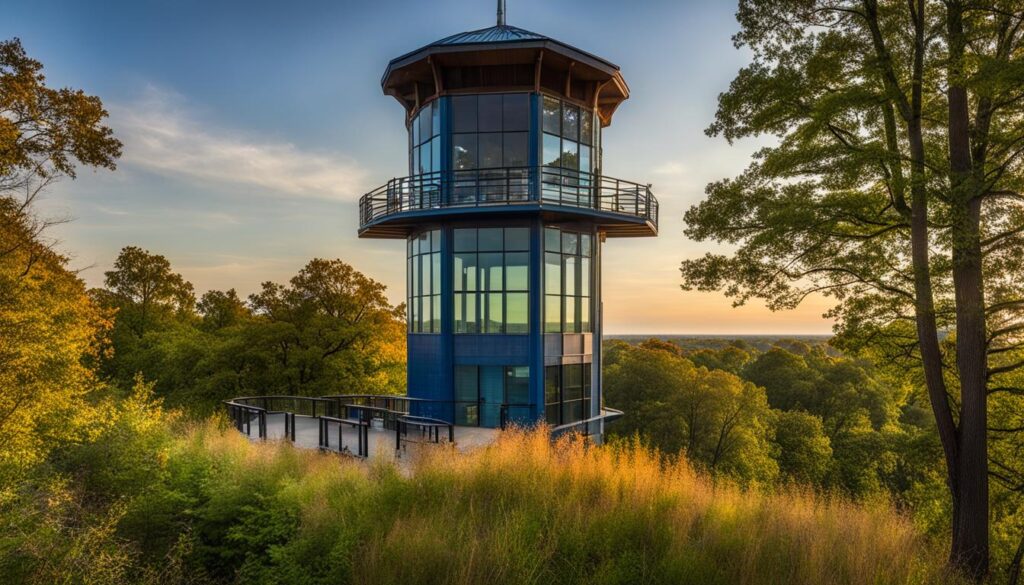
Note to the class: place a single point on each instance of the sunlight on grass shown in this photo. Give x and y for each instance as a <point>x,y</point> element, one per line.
<point>526,510</point>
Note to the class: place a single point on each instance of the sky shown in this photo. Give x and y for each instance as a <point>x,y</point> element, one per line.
<point>251,128</point>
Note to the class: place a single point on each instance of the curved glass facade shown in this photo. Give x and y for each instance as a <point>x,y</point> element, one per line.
<point>424,282</point>
<point>425,140</point>
<point>568,280</point>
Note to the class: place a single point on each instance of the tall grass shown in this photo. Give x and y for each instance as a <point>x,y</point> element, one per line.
<point>525,510</point>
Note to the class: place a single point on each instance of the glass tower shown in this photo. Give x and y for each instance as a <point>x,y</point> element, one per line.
<point>504,214</point>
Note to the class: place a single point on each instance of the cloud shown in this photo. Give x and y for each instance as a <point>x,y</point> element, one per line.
<point>162,136</point>
<point>673,169</point>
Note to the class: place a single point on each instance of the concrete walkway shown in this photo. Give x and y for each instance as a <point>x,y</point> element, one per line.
<point>381,442</point>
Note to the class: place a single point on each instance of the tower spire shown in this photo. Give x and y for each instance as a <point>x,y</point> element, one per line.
<point>501,12</point>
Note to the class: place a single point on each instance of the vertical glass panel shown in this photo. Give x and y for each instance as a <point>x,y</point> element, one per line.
<point>464,153</point>
<point>552,314</point>
<point>426,123</point>
<point>571,272</point>
<point>570,242</point>
<point>414,163</point>
<point>435,241</point>
<point>571,325</point>
<point>586,127</point>
<point>570,156</point>
<point>552,155</point>
<point>436,302</point>
<point>490,150</point>
<point>435,115</point>
<point>414,315</point>
<point>465,313</point>
<point>424,159</point>
<point>467,395</point>
<point>585,315</point>
<point>464,113</point>
<point>516,112</point>
<point>490,240</point>
<point>490,271</point>
<point>552,240</point>
<point>435,155</point>
<point>492,313</point>
<point>517,311</point>
<point>414,130</point>
<point>517,270</point>
<point>585,158</point>
<point>552,115</point>
<point>572,411</point>
<point>585,240</point>
<point>435,273</point>
<point>465,271</point>
<point>416,288</point>
<point>516,149</point>
<point>585,277</point>
<point>465,240</point>
<point>490,113</point>
<point>517,239</point>
<point>570,122</point>
<point>552,273</point>
<point>425,275</point>
<point>517,385</point>
<point>426,318</point>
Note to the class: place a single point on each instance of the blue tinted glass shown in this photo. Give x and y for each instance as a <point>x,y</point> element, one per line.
<point>489,113</point>
<point>464,153</point>
<point>516,112</point>
<point>464,113</point>
<point>552,150</point>
<point>490,239</point>
<point>465,240</point>
<point>517,239</point>
<point>552,240</point>
<point>490,150</point>
<point>552,115</point>
<point>516,149</point>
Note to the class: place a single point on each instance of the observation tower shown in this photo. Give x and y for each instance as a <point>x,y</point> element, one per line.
<point>504,216</point>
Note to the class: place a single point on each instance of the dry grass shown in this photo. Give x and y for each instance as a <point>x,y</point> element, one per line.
<point>528,511</point>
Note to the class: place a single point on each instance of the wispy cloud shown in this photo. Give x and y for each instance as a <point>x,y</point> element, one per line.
<point>673,169</point>
<point>162,135</point>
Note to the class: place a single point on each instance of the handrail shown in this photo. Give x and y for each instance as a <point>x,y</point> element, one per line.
<point>509,186</point>
<point>360,410</point>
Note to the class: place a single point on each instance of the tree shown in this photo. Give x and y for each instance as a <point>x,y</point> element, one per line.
<point>717,419</point>
<point>145,290</point>
<point>894,187</point>
<point>804,452</point>
<point>222,309</point>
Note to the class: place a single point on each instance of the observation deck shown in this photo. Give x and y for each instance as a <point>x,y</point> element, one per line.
<point>617,207</point>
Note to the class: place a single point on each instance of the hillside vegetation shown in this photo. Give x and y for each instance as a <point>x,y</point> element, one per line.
<point>206,505</point>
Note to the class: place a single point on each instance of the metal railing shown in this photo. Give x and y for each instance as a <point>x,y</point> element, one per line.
<point>362,412</point>
<point>509,186</point>
<point>588,426</point>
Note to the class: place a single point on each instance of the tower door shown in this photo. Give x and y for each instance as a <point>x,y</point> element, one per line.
<point>492,395</point>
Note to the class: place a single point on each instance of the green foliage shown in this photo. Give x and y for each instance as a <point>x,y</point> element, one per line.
<point>329,331</point>
<point>719,421</point>
<point>804,452</point>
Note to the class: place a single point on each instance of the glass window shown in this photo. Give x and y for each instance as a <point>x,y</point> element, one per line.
<point>517,239</point>
<point>517,269</point>
<point>516,149</point>
<point>586,127</point>
<point>493,279</point>
<point>552,155</point>
<point>423,282</point>
<point>570,155</point>
<point>570,121</point>
<point>490,112</point>
<point>464,152</point>
<point>552,115</point>
<point>568,275</point>
<point>517,385</point>
<point>490,150</point>
<point>464,116</point>
<point>516,112</point>
<point>517,309</point>
<point>426,122</point>
<point>552,394</point>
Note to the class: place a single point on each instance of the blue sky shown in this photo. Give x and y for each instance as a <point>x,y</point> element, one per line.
<point>251,128</point>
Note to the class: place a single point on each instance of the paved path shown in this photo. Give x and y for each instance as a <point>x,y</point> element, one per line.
<point>381,441</point>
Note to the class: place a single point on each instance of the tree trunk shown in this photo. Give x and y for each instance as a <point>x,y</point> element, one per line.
<point>1015,564</point>
<point>970,549</point>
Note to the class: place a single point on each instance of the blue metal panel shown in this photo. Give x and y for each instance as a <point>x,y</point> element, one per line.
<point>483,349</point>
<point>426,373</point>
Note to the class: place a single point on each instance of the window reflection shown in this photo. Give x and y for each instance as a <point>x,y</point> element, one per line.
<point>424,282</point>
<point>567,281</point>
<point>491,271</point>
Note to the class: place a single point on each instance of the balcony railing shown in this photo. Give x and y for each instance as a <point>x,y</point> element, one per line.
<point>509,186</point>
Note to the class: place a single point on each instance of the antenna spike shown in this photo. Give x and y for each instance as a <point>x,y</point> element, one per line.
<point>501,12</point>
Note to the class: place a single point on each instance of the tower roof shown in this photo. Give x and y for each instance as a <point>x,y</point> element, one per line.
<point>415,76</point>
